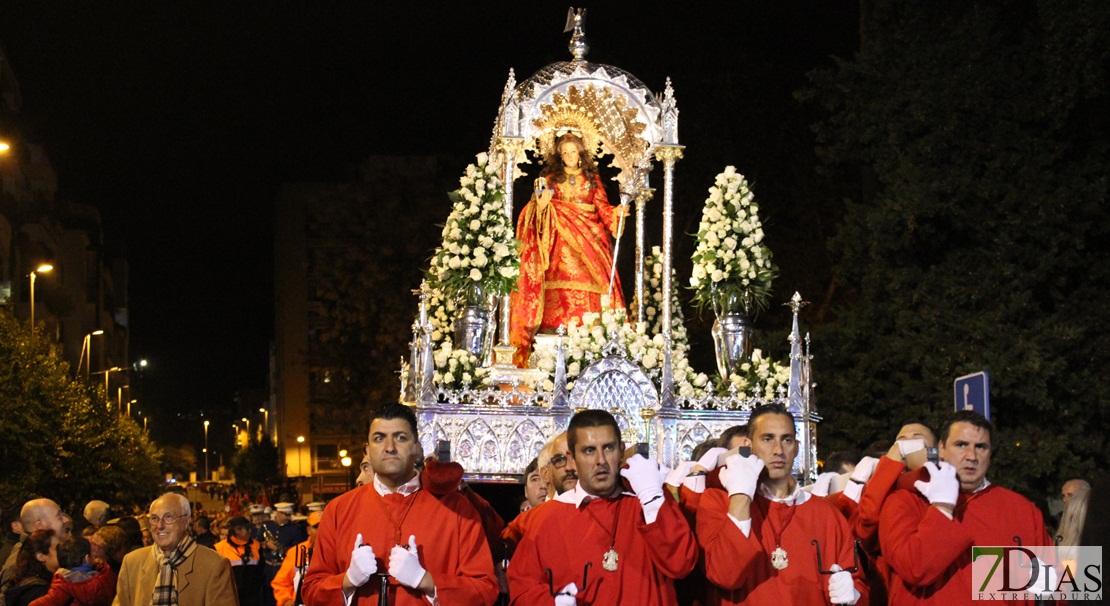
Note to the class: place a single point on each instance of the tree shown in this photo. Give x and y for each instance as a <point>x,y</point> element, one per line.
<point>976,134</point>
<point>256,465</point>
<point>60,441</point>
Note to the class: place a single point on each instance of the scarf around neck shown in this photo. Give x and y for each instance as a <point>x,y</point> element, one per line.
<point>165,592</point>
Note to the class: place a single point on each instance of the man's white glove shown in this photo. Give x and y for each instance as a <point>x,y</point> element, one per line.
<point>710,458</point>
<point>643,477</point>
<point>942,487</point>
<point>565,597</point>
<point>740,475</point>
<point>363,563</point>
<point>905,447</point>
<point>853,491</point>
<point>404,564</point>
<point>678,475</point>
<point>842,589</point>
<point>864,469</point>
<point>820,487</point>
<point>1046,578</point>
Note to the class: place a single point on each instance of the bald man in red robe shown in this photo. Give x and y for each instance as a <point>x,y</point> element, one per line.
<point>758,531</point>
<point>597,543</point>
<point>433,548</point>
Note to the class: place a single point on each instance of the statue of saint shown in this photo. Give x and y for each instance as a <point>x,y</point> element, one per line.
<point>566,254</point>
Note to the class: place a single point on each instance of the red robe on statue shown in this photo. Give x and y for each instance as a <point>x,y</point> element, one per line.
<point>449,539</point>
<point>565,260</point>
<point>930,555</point>
<point>650,556</point>
<point>739,567</point>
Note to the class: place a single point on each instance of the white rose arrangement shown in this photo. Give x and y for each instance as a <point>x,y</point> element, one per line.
<point>730,258</point>
<point>478,248</point>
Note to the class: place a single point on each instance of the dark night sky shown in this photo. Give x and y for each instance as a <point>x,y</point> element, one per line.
<point>180,120</point>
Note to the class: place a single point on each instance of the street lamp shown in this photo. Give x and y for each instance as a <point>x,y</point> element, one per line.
<point>41,269</point>
<point>86,352</point>
<point>107,372</point>
<point>248,422</point>
<point>265,419</point>
<point>346,461</point>
<point>206,450</point>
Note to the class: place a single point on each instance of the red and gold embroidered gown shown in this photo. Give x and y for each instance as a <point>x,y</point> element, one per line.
<point>565,259</point>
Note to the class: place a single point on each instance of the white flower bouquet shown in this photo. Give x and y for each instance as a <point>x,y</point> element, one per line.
<point>478,249</point>
<point>730,260</point>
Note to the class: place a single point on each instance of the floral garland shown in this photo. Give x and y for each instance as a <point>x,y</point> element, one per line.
<point>730,258</point>
<point>478,248</point>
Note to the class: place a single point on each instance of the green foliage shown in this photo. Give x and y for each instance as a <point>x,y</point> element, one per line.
<point>59,440</point>
<point>257,464</point>
<point>977,240</point>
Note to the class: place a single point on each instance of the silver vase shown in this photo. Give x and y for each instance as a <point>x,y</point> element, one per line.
<point>732,330</point>
<point>474,328</point>
<point>732,342</point>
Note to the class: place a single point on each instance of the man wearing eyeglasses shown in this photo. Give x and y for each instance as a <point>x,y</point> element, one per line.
<point>173,571</point>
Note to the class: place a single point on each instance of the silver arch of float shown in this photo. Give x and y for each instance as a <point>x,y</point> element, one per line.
<point>515,132</point>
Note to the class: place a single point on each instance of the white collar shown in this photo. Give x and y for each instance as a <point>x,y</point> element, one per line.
<point>404,489</point>
<point>797,497</point>
<point>982,486</point>
<point>578,497</point>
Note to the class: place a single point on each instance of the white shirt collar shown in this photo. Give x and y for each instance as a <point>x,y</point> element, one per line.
<point>797,497</point>
<point>578,497</point>
<point>982,486</point>
<point>404,489</point>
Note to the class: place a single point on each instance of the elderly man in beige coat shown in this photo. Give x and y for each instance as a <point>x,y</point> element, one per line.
<point>175,571</point>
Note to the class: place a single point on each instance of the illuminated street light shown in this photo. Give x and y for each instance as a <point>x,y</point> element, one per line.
<point>5,147</point>
<point>206,450</point>
<point>265,421</point>
<point>86,352</point>
<point>248,422</point>
<point>42,269</point>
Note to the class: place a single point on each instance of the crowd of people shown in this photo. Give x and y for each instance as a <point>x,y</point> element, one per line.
<point>600,524</point>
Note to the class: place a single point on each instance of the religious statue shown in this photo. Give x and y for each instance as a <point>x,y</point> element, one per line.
<point>566,253</point>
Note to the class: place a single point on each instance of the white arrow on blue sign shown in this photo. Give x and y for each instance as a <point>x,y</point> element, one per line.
<point>973,393</point>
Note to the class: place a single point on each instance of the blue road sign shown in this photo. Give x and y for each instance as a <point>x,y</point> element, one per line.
<point>973,393</point>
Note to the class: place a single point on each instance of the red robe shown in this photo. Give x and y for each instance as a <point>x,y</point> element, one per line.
<point>565,260</point>
<point>449,538</point>
<point>865,521</point>
<point>930,556</point>
<point>651,556</point>
<point>739,567</point>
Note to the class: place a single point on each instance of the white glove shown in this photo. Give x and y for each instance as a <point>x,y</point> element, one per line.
<point>853,491</point>
<point>678,476</point>
<point>842,589</point>
<point>942,487</point>
<point>664,473</point>
<point>821,486</point>
<point>565,597</point>
<point>907,446</point>
<point>643,477</point>
<point>740,475</point>
<point>1048,578</point>
<point>363,563</point>
<point>404,564</point>
<point>864,469</point>
<point>709,459</point>
<point>839,481</point>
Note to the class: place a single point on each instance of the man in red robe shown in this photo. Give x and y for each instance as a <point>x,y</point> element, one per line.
<point>905,456</point>
<point>926,538</point>
<point>766,540</point>
<point>598,544</point>
<point>433,548</point>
